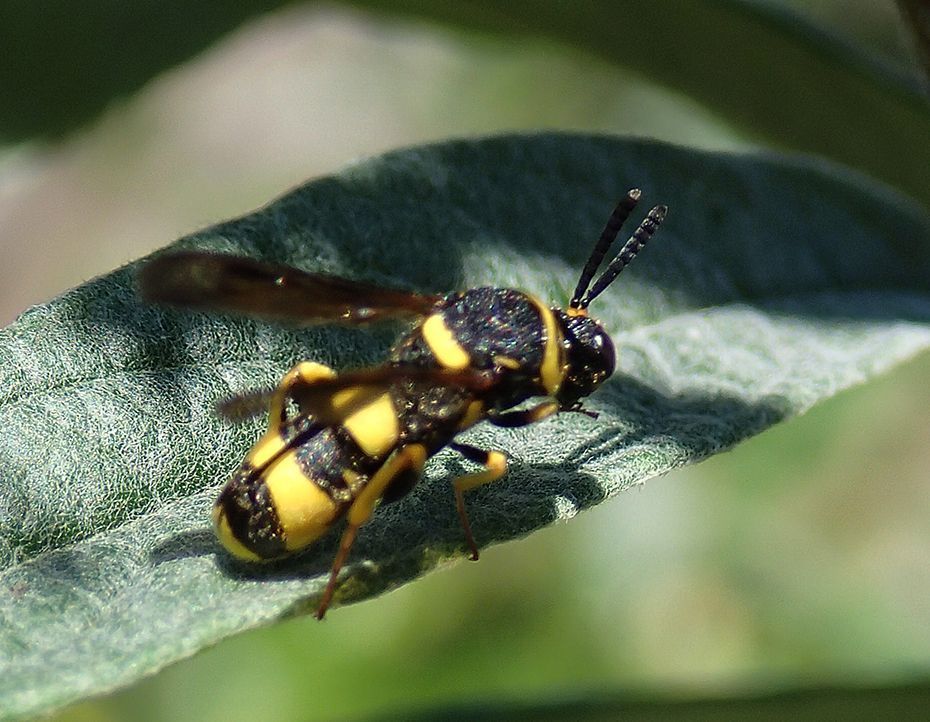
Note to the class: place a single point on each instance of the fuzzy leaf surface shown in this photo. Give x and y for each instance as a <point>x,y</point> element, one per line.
<point>774,284</point>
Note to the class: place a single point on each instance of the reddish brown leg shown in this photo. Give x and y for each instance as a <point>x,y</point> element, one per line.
<point>495,463</point>
<point>345,544</point>
<point>409,457</point>
<point>466,525</point>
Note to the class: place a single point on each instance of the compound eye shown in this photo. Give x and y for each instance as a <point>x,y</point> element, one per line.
<point>605,352</point>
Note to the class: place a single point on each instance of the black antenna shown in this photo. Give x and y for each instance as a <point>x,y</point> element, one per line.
<point>614,223</point>
<point>633,246</point>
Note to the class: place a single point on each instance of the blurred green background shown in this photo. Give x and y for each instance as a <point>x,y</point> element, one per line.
<point>797,560</point>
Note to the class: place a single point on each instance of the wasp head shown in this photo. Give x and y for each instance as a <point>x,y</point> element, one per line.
<point>589,354</point>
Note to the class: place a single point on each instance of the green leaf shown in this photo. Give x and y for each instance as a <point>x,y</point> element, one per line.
<point>767,73</point>
<point>915,15</point>
<point>61,68</point>
<point>774,284</point>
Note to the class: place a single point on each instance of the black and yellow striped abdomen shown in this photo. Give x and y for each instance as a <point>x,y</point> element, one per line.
<point>286,494</point>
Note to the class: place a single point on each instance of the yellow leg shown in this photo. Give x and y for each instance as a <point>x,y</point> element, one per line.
<point>273,443</point>
<point>305,372</point>
<point>495,463</point>
<point>409,458</point>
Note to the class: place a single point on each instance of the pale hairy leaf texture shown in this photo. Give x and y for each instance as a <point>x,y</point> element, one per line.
<point>773,284</point>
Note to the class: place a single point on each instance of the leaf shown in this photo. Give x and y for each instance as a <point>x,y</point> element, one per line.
<point>773,284</point>
<point>917,19</point>
<point>767,73</point>
<point>62,68</point>
<point>815,95</point>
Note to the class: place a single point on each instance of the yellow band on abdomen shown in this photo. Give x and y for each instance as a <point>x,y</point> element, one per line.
<point>374,427</point>
<point>304,510</point>
<point>228,539</point>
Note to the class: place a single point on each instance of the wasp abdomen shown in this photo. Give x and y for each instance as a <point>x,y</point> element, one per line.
<point>271,511</point>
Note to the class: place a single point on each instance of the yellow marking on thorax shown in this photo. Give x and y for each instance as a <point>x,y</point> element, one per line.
<point>304,510</point>
<point>374,427</point>
<point>225,535</point>
<point>445,347</point>
<point>474,412</point>
<point>576,311</point>
<point>553,367</point>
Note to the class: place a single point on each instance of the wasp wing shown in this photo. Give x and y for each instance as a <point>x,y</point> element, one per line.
<point>245,405</point>
<point>235,284</point>
<point>331,400</point>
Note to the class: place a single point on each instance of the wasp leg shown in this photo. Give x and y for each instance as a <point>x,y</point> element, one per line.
<point>495,463</point>
<point>513,419</point>
<point>407,459</point>
<point>303,373</point>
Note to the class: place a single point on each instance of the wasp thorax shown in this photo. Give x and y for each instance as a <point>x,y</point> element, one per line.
<point>590,357</point>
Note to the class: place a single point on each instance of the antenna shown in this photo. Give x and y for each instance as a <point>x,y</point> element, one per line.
<point>633,246</point>
<point>614,223</point>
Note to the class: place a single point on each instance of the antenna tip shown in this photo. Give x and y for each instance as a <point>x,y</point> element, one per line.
<point>659,212</point>
<point>634,194</point>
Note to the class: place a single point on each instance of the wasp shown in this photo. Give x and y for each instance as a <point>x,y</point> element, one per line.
<point>337,445</point>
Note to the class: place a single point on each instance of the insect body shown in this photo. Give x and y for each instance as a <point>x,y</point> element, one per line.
<point>338,444</point>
